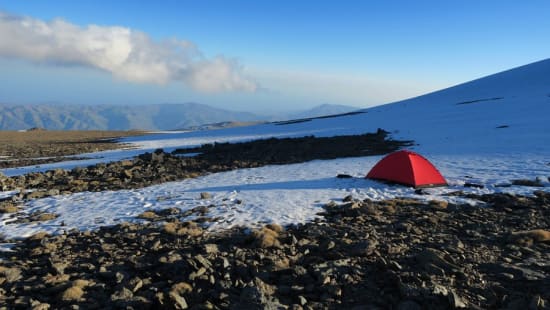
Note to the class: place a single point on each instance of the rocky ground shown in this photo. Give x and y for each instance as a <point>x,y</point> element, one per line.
<point>397,254</point>
<point>158,167</point>
<point>35,147</point>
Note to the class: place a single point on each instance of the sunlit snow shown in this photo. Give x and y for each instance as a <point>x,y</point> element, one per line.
<point>489,132</point>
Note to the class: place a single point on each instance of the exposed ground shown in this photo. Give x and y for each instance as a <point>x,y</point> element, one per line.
<point>158,167</point>
<point>36,147</point>
<point>395,254</point>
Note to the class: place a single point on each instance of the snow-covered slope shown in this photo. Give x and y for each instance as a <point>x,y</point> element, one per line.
<point>508,111</point>
<point>505,112</point>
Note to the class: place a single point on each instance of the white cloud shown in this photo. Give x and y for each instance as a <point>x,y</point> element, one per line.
<point>125,53</point>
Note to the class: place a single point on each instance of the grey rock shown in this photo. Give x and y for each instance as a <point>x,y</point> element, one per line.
<point>537,302</point>
<point>58,267</point>
<point>178,300</point>
<point>455,301</point>
<point>122,294</point>
<point>203,261</point>
<point>435,257</point>
<point>363,248</point>
<point>408,305</point>
<point>11,274</point>
<point>135,284</point>
<point>211,248</point>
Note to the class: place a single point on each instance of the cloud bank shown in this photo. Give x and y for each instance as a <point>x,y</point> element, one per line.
<point>125,53</point>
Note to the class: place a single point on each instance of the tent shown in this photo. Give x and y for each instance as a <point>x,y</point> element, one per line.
<point>407,168</point>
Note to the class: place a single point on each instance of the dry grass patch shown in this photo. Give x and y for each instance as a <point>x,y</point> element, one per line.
<point>528,238</point>
<point>42,217</point>
<point>148,215</point>
<point>183,229</point>
<point>39,236</point>
<point>438,204</point>
<point>266,237</point>
<point>275,227</point>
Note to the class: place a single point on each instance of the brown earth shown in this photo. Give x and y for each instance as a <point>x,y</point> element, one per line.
<point>25,148</point>
<point>395,254</point>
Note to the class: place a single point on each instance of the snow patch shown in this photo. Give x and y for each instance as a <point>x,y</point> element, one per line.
<point>283,194</point>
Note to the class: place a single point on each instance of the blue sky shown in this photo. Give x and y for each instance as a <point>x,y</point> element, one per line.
<point>260,56</point>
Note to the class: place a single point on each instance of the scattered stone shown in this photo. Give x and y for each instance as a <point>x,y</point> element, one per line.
<point>433,257</point>
<point>40,306</point>
<point>344,176</point>
<point>122,294</point>
<point>421,191</point>
<point>275,227</point>
<point>10,274</point>
<point>148,215</point>
<point>525,182</point>
<point>455,301</point>
<point>135,284</point>
<point>183,229</point>
<point>81,283</point>
<point>205,195</point>
<point>182,288</point>
<point>175,295</point>
<point>42,217</point>
<point>438,204</point>
<point>363,248</point>
<point>473,185</point>
<point>211,248</point>
<point>73,293</point>
<point>398,254</point>
<point>8,208</point>
<point>537,303</point>
<point>348,198</point>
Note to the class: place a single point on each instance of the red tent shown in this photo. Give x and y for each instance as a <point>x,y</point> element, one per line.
<point>407,168</point>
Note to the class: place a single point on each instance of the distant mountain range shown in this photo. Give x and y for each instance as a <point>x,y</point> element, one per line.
<point>320,110</point>
<point>145,117</point>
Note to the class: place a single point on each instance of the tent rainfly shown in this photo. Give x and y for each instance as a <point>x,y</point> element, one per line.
<point>407,168</point>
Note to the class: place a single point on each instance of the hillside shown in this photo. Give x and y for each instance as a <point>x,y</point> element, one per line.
<point>316,111</point>
<point>507,112</point>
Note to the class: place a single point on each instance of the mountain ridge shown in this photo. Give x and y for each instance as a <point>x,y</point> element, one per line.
<point>164,116</point>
